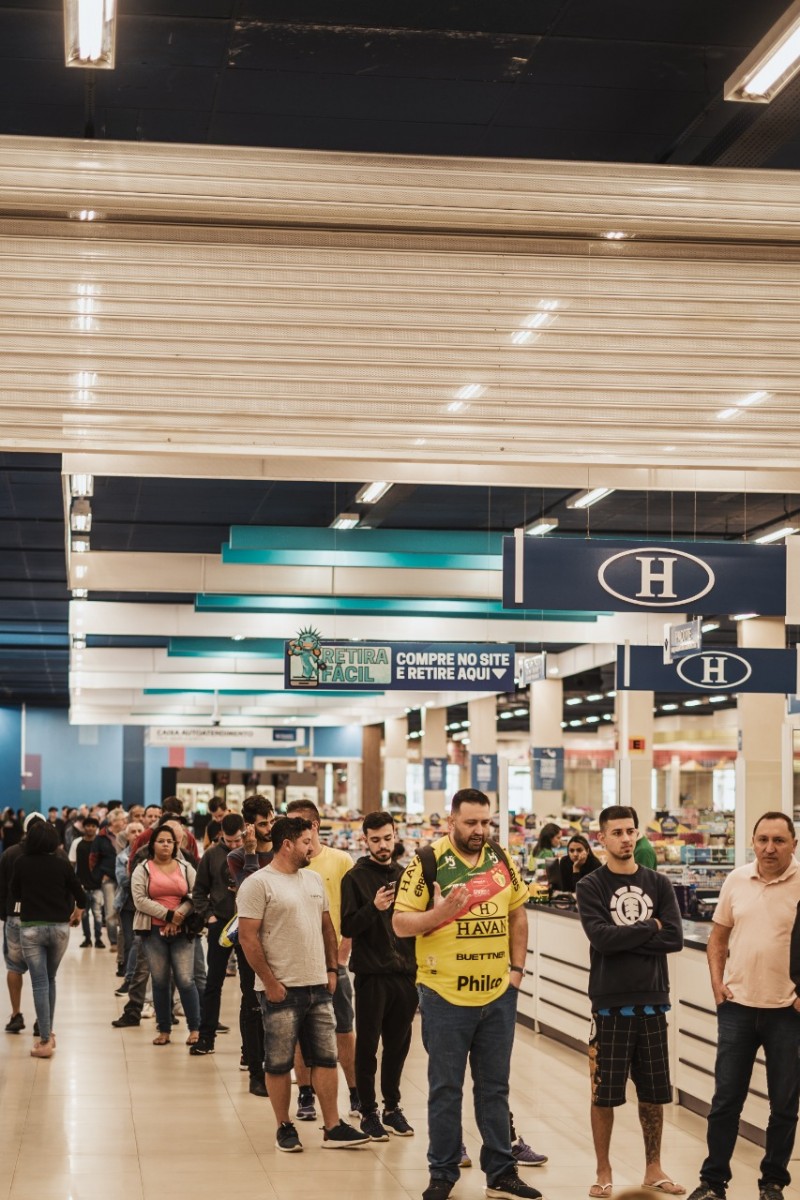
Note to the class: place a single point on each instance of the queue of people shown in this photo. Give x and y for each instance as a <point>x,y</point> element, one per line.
<point>298,918</point>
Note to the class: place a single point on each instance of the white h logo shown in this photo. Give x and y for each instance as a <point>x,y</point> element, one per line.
<point>713,669</point>
<point>649,577</point>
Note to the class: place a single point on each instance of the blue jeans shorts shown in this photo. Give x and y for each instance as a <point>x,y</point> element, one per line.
<point>305,1015</point>
<point>12,949</point>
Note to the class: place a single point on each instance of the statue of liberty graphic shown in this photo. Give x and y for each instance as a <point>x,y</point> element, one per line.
<point>306,648</point>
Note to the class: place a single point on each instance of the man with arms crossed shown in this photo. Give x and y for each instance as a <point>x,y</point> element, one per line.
<point>289,940</point>
<point>755,989</point>
<point>472,936</point>
<point>631,918</point>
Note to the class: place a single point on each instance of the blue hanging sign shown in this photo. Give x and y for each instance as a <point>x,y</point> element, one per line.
<point>483,772</point>
<point>548,768</point>
<point>435,774</point>
<point>311,662</point>
<point>660,576</point>
<point>713,669</point>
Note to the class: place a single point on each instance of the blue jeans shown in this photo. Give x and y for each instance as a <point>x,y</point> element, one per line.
<point>176,955</point>
<point>43,947</point>
<point>741,1031</point>
<point>484,1035</point>
<point>95,907</point>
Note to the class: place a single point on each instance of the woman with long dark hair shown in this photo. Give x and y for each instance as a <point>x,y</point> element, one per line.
<point>48,899</point>
<point>580,860</point>
<point>161,889</point>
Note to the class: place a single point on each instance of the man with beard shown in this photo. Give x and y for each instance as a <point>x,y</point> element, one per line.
<point>385,968</point>
<point>471,929</point>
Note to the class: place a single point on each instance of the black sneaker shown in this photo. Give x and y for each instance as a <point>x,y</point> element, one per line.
<point>438,1189</point>
<point>258,1088</point>
<point>126,1021</point>
<point>16,1024</point>
<point>343,1137</point>
<point>371,1126</point>
<point>306,1110</point>
<point>223,1028</point>
<point>86,944</point>
<point>201,1046</point>
<point>770,1191</point>
<point>396,1123</point>
<point>511,1185</point>
<point>286,1139</point>
<point>704,1191</point>
<point>122,990</point>
<point>99,944</point>
<point>243,1063</point>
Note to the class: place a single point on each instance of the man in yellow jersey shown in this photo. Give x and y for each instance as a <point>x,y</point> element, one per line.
<point>471,935</point>
<point>332,865</point>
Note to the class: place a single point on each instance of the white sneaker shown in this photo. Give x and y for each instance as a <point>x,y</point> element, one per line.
<point>148,1011</point>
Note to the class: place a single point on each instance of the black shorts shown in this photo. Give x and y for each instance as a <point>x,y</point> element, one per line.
<point>622,1046</point>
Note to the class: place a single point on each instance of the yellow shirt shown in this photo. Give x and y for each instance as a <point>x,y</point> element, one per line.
<point>333,865</point>
<point>465,961</point>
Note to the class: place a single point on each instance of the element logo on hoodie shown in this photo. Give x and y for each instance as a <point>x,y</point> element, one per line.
<point>630,904</point>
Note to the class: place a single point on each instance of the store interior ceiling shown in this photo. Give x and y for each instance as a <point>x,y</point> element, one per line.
<point>566,80</point>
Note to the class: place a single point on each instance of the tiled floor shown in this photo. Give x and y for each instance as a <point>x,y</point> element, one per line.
<point>111,1116</point>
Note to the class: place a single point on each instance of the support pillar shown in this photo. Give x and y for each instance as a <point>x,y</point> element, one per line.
<point>483,732</point>
<point>546,709</point>
<point>394,758</point>
<point>634,717</point>
<point>370,768</point>
<point>434,745</point>
<point>759,763</point>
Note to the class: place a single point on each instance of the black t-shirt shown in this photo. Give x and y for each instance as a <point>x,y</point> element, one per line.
<point>46,887</point>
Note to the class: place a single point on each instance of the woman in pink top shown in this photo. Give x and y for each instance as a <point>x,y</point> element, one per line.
<point>161,889</point>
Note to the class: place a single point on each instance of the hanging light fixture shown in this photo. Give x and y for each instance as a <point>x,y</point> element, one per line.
<point>90,31</point>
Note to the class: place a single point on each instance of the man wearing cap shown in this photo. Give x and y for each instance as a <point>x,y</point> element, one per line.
<point>12,950</point>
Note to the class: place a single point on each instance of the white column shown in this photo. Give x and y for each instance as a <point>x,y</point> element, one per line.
<point>394,760</point>
<point>759,764</point>
<point>546,709</point>
<point>434,745</point>
<point>634,716</point>
<point>674,783</point>
<point>482,715</point>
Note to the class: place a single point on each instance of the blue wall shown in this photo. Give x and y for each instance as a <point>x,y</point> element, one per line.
<point>10,766</point>
<point>81,764</point>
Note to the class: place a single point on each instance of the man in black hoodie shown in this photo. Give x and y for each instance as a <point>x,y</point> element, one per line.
<point>385,970</point>
<point>631,918</point>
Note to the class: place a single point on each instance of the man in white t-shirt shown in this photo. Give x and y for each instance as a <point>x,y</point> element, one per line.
<point>288,938</point>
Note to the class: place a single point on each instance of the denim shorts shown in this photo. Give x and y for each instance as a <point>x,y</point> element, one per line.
<point>305,1015</point>
<point>12,949</point>
<point>343,1002</point>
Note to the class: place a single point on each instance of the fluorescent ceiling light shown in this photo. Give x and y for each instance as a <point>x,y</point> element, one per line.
<point>744,616</point>
<point>505,716</point>
<point>709,627</point>
<point>592,720</point>
<point>90,29</point>
<point>563,724</point>
<point>776,535</point>
<point>81,485</point>
<point>668,707</point>
<point>371,493</point>
<point>608,717</point>
<point>469,391</point>
<point>595,696</point>
<point>590,497</point>
<point>771,65</point>
<point>345,521</point>
<point>610,695</point>
<point>753,398</point>
<point>717,699</point>
<point>80,516</point>
<point>615,235</point>
<point>80,545</point>
<point>727,413</point>
<point>691,703</point>
<point>520,712</point>
<point>80,593</point>
<point>541,526</point>
<point>575,724</point>
<point>574,700</point>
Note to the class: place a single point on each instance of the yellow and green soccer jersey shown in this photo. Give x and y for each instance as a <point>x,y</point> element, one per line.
<point>466,960</point>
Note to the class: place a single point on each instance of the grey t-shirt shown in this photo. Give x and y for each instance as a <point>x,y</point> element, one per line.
<point>290,909</point>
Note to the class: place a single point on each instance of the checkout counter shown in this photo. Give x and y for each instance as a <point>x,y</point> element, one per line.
<point>553,1000</point>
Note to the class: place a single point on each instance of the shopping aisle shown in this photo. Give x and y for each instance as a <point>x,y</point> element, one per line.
<point>111,1115</point>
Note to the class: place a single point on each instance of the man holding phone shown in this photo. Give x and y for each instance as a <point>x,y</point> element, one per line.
<point>384,967</point>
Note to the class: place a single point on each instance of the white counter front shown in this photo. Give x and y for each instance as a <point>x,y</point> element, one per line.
<point>554,1000</point>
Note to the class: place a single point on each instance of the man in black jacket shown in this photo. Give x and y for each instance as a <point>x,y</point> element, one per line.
<point>631,918</point>
<point>385,970</point>
<point>214,899</point>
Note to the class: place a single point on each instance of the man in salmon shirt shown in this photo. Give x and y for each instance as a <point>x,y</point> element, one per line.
<point>471,933</point>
